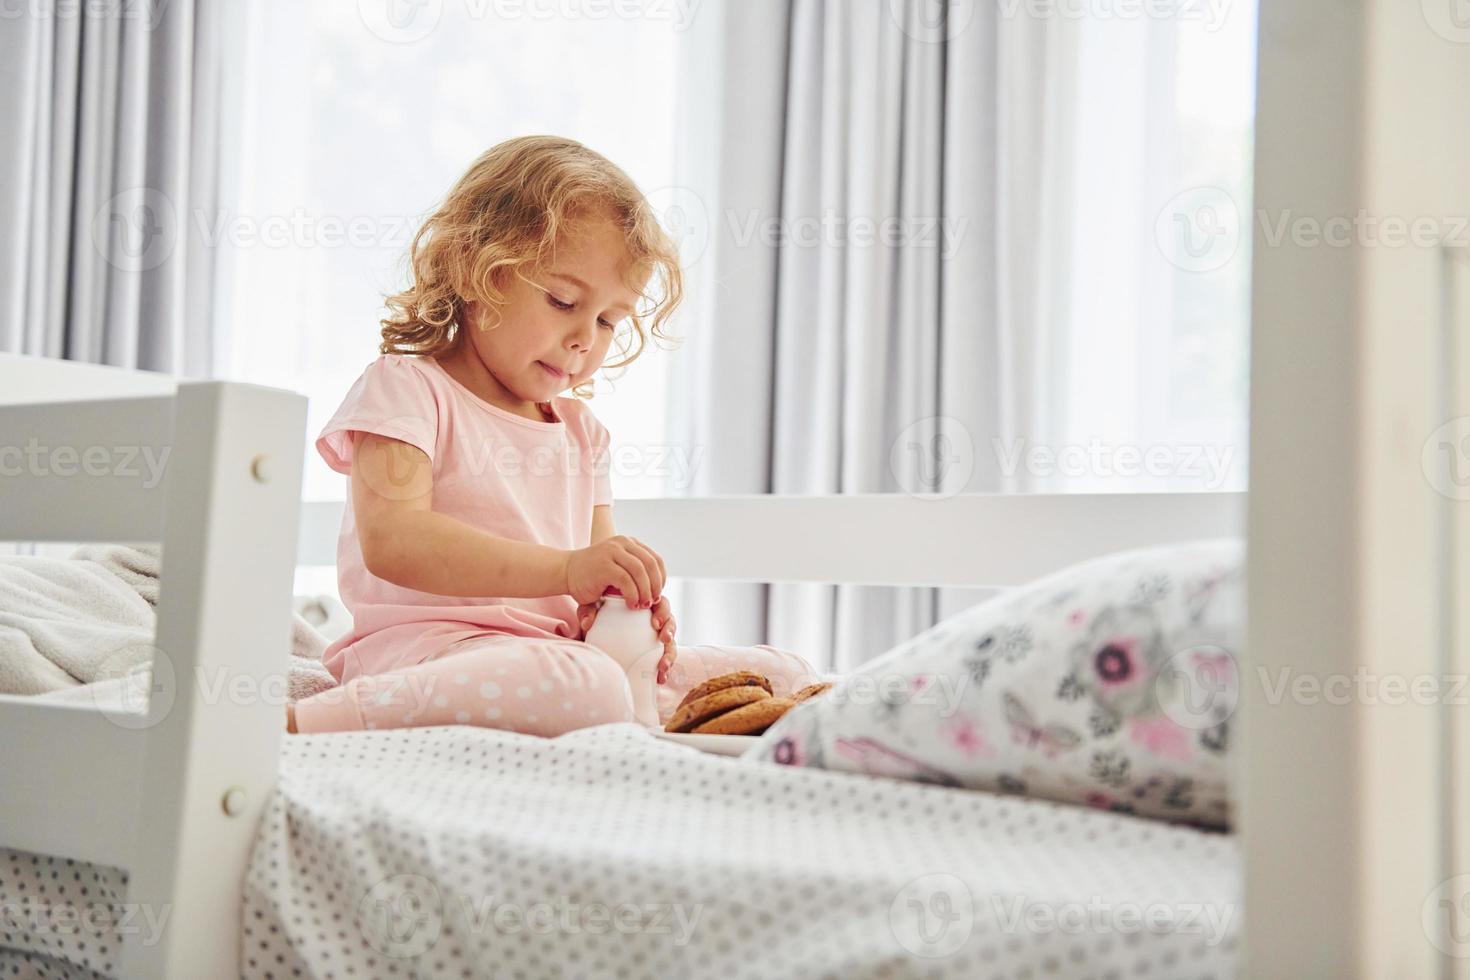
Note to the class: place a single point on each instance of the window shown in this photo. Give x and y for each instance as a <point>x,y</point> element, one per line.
<point>1154,350</point>
<point>360,117</point>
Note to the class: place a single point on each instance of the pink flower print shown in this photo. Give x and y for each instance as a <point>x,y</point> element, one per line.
<point>1161,736</point>
<point>788,753</point>
<point>1101,801</point>
<point>876,759</point>
<point>1116,663</point>
<point>967,738</point>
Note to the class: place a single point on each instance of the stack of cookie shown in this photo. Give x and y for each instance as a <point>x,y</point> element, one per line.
<point>735,704</point>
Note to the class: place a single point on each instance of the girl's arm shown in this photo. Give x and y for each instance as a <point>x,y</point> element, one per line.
<point>404,541</point>
<point>602,529</point>
<point>602,523</point>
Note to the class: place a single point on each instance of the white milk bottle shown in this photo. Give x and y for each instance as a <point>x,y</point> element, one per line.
<point>627,635</point>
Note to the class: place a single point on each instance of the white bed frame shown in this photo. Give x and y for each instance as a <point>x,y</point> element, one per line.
<point>233,529</point>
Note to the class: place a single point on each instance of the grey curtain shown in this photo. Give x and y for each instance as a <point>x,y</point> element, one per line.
<point>113,114</point>
<point>879,225</point>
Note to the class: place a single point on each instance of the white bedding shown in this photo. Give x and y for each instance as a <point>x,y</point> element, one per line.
<point>466,852</point>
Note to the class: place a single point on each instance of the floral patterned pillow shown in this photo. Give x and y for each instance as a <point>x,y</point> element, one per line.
<point>1112,684</point>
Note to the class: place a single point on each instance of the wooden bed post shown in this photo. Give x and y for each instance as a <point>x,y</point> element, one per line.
<point>224,625</point>
<point>1353,804</point>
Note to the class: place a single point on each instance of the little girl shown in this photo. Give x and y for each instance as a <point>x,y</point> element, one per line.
<point>478,536</point>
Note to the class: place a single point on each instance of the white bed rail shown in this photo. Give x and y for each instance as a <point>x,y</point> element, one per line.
<point>966,540</point>
<point>85,471</point>
<point>70,781</point>
<point>194,772</point>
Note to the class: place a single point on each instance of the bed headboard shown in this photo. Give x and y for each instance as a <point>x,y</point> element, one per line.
<point>965,540</point>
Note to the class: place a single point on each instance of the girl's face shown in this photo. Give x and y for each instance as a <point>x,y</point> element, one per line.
<point>555,330</point>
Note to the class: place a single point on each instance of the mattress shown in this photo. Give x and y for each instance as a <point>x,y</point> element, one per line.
<point>466,852</point>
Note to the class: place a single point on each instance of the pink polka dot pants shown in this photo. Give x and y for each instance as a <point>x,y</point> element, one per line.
<point>522,684</point>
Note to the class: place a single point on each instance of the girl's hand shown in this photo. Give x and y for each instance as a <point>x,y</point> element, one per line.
<point>621,562</point>
<point>663,625</point>
<point>586,616</point>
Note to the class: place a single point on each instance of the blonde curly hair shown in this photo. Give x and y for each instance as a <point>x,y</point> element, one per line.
<point>506,214</point>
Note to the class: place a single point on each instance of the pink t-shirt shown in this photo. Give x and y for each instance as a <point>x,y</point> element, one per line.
<point>494,470</point>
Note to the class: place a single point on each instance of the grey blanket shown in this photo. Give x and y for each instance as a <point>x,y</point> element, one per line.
<point>91,618</point>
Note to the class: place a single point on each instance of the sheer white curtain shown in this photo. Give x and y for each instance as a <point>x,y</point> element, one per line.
<point>1028,323</point>
<point>1151,366</point>
<point>112,115</point>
